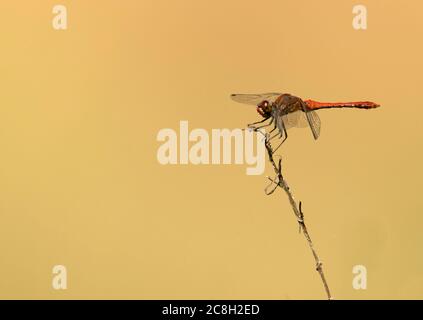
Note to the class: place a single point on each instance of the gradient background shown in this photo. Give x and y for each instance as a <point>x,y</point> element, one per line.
<point>80,184</point>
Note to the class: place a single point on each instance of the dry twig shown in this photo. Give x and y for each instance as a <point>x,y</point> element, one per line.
<point>279,181</point>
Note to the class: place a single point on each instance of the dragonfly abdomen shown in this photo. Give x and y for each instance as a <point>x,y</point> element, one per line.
<point>316,105</point>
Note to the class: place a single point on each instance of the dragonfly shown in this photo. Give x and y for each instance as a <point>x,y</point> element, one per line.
<point>285,111</point>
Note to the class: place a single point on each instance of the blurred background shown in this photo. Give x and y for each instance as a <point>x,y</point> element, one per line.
<point>80,184</point>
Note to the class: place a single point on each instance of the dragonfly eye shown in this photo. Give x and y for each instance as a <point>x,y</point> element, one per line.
<point>263,108</point>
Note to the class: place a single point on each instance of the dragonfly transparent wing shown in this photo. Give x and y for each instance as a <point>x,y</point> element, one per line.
<point>255,99</point>
<point>314,122</point>
<point>295,119</point>
<point>301,119</point>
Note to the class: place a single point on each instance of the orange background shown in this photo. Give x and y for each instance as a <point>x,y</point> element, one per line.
<point>80,184</point>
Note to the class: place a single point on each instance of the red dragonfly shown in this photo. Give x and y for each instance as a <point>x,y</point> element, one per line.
<point>286,111</point>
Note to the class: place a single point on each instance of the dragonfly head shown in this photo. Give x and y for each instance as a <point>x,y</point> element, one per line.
<point>264,109</point>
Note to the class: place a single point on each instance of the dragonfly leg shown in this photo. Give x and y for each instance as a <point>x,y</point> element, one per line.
<point>258,122</point>
<point>274,136</point>
<point>274,151</point>
<point>274,128</point>
<point>266,125</point>
<point>285,137</point>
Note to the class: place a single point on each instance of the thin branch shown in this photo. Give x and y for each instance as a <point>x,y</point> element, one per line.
<point>279,181</point>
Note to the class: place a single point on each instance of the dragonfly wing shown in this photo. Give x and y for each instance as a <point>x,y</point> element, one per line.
<point>314,123</point>
<point>295,119</point>
<point>255,99</point>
